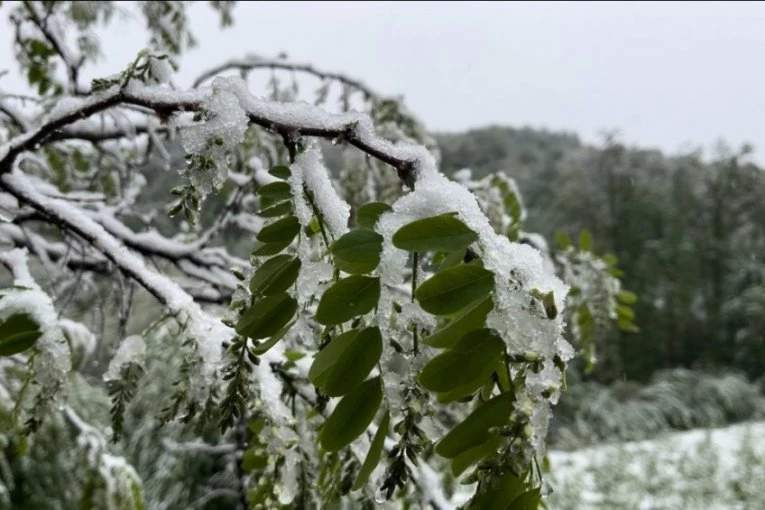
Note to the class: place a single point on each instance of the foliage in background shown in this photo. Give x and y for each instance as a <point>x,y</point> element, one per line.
<point>672,400</point>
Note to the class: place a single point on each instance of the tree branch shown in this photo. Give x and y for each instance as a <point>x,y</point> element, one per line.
<point>286,119</point>
<point>55,252</point>
<point>252,62</point>
<point>69,217</point>
<point>290,120</point>
<point>15,117</point>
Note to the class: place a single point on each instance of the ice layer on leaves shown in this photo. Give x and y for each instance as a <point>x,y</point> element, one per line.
<point>309,175</point>
<point>131,350</point>
<point>214,138</point>
<point>517,268</point>
<point>53,361</point>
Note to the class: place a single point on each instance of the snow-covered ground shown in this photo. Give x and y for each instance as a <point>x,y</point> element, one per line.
<point>700,469</point>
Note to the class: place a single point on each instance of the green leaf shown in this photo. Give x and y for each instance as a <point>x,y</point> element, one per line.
<point>453,289</point>
<point>503,376</point>
<point>348,298</point>
<point>469,457</point>
<point>443,232</point>
<point>500,495</point>
<point>79,162</point>
<point>473,431</point>
<point>280,172</point>
<point>625,312</point>
<point>326,358</point>
<point>374,454</point>
<point>548,300</point>
<point>368,214</point>
<point>564,241</point>
<point>314,227</point>
<point>17,334</point>
<point>275,191</point>
<point>355,362</point>
<point>452,259</point>
<point>254,458</point>
<point>529,500</point>
<point>280,231</point>
<point>626,297</point>
<point>585,240</point>
<point>613,271</point>
<point>277,210</point>
<point>352,416</point>
<point>275,275</point>
<point>294,355</point>
<point>358,251</point>
<point>267,249</point>
<point>627,326</point>
<point>610,259</point>
<point>466,366</point>
<point>265,346</point>
<point>473,317</point>
<point>267,316</point>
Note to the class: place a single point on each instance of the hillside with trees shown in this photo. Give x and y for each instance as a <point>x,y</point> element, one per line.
<point>688,232</point>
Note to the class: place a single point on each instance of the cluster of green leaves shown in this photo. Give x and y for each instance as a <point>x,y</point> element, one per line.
<point>19,333</point>
<point>608,302</point>
<point>167,22</point>
<point>473,364</point>
<point>141,69</point>
<point>41,66</point>
<point>343,365</point>
<point>121,392</point>
<point>188,202</point>
<point>513,207</point>
<point>181,397</point>
<point>459,292</point>
<point>66,164</point>
<point>266,315</point>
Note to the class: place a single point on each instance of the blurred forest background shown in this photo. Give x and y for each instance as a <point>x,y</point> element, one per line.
<point>689,236</point>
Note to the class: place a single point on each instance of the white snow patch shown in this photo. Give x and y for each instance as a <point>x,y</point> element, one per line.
<point>309,171</point>
<point>131,350</point>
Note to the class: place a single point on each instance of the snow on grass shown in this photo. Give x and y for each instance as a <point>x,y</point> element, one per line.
<point>704,468</point>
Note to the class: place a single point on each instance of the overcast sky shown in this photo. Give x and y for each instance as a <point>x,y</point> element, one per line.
<point>667,75</point>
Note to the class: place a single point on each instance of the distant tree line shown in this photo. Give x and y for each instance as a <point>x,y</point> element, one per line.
<point>688,231</point>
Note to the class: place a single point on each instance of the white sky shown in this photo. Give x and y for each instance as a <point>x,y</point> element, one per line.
<point>667,75</point>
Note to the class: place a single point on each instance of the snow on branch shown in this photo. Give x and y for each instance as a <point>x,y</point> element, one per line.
<point>208,332</point>
<point>53,251</point>
<point>290,120</point>
<point>16,117</point>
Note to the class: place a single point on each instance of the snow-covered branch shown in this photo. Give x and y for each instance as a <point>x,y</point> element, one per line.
<point>16,117</point>
<point>53,251</point>
<point>203,286</point>
<point>208,331</point>
<point>51,32</point>
<point>199,447</point>
<point>290,120</point>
